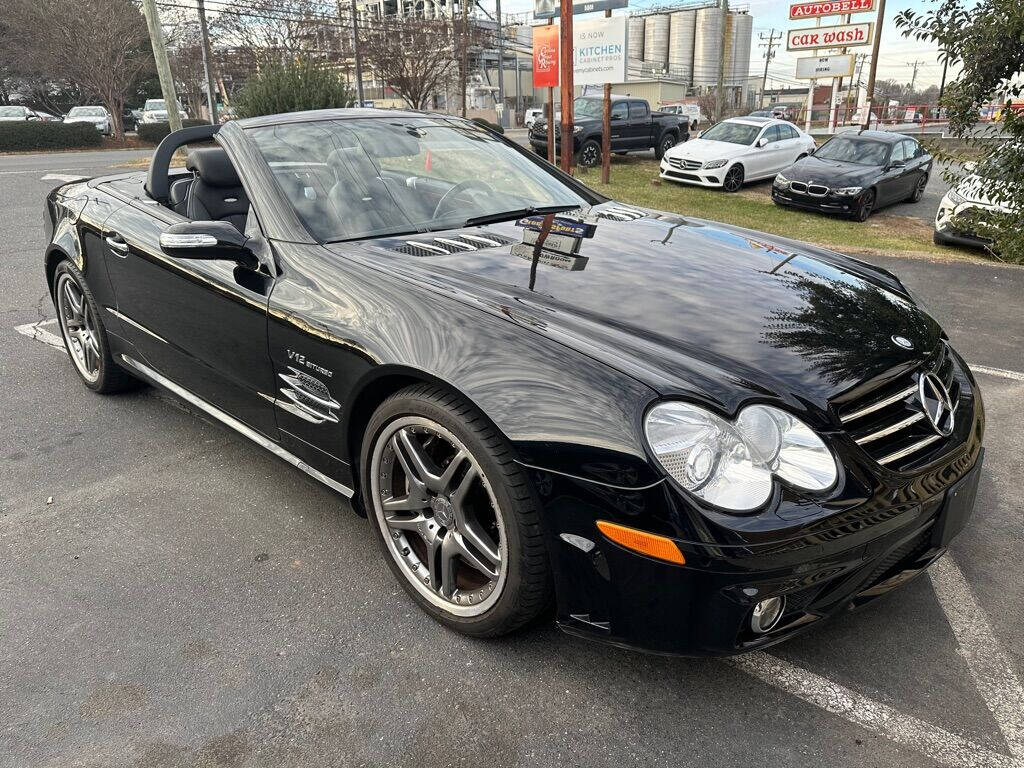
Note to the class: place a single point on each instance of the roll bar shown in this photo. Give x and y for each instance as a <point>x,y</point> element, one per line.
<point>157,184</point>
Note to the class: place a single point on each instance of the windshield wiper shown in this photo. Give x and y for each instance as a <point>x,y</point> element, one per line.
<point>492,218</point>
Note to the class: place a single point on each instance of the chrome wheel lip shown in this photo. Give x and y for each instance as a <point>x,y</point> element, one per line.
<point>395,545</point>
<point>78,327</point>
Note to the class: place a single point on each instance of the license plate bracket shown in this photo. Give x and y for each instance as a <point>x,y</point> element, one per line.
<point>958,507</point>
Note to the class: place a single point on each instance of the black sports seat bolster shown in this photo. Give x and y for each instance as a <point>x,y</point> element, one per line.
<point>177,196</point>
<point>216,194</point>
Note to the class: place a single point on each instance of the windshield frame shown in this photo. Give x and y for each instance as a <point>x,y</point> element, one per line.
<point>278,217</point>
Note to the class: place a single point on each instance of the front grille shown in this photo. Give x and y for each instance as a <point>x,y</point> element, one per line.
<point>818,190</point>
<point>451,244</point>
<point>686,165</point>
<point>890,423</point>
<point>798,186</point>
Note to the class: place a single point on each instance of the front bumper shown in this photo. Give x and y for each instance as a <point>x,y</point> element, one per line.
<point>701,177</point>
<point>946,229</point>
<point>845,205</point>
<point>834,560</point>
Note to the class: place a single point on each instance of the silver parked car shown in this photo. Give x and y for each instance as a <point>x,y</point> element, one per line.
<point>11,114</point>
<point>155,111</point>
<point>98,116</point>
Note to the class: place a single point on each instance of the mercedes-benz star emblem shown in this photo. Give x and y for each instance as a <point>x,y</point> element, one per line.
<point>902,341</point>
<point>937,405</point>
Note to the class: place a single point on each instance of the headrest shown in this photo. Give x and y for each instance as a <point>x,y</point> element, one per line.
<point>212,165</point>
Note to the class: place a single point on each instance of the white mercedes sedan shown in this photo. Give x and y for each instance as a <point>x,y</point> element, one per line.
<point>737,150</point>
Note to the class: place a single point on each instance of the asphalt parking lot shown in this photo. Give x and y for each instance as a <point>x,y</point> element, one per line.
<point>171,595</point>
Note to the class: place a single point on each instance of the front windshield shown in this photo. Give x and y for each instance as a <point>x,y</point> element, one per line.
<point>858,151</point>
<point>12,111</point>
<point>588,108</point>
<point>86,112</point>
<point>734,133</point>
<point>370,177</point>
<point>154,104</point>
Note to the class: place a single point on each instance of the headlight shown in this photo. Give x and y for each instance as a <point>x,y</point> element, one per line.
<point>715,163</point>
<point>848,190</point>
<point>955,197</point>
<point>732,464</point>
<point>781,181</point>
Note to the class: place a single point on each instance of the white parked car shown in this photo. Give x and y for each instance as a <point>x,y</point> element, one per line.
<point>155,111</point>
<point>97,116</point>
<point>530,117</point>
<point>691,111</point>
<point>10,114</point>
<point>952,221</point>
<point>736,150</point>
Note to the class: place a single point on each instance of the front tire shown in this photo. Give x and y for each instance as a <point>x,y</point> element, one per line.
<point>83,332</point>
<point>733,180</point>
<point>866,207</point>
<point>589,154</point>
<point>668,141</point>
<point>453,513</point>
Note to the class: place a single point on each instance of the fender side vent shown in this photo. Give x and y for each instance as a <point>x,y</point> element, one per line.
<point>449,244</point>
<point>620,213</point>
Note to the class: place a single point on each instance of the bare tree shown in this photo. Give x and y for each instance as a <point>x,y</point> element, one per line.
<point>272,31</point>
<point>412,56</point>
<point>102,46</point>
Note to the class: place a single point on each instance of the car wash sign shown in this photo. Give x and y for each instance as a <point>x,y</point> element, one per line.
<point>599,51</point>
<point>839,36</point>
<point>829,8</point>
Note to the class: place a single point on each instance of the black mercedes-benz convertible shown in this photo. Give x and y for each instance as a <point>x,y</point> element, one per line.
<point>690,438</point>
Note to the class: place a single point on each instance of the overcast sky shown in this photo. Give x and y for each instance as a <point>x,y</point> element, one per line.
<point>895,58</point>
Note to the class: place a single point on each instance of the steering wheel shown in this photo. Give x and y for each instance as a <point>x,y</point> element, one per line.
<point>462,186</point>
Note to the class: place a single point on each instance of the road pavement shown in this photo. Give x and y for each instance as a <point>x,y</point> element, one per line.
<point>171,596</point>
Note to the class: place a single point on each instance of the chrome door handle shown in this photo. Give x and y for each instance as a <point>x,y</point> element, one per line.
<point>117,245</point>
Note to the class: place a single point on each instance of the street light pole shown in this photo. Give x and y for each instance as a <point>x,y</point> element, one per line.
<point>207,55</point>
<point>163,66</point>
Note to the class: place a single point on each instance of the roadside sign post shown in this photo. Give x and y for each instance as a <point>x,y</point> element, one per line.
<point>565,55</point>
<point>545,73</point>
<point>606,126</point>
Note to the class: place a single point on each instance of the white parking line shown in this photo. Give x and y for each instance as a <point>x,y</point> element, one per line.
<point>1001,372</point>
<point>39,333</point>
<point>993,673</point>
<point>60,177</point>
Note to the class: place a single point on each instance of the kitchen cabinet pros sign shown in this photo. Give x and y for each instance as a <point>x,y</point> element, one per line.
<point>599,51</point>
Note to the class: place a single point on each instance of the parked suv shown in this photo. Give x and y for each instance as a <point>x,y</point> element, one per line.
<point>634,128</point>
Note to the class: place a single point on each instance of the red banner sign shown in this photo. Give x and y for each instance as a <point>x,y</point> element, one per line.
<point>545,56</point>
<point>829,8</point>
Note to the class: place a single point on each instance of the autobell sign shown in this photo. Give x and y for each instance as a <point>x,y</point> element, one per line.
<point>829,8</point>
<point>838,36</point>
<point>599,51</point>
<point>814,67</point>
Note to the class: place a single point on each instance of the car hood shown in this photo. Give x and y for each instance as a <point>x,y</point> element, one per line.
<point>695,308</point>
<point>704,149</point>
<point>831,173</point>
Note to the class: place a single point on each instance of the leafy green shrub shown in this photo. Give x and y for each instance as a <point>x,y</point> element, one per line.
<point>292,88</point>
<point>488,124</point>
<point>154,133</point>
<point>31,134</point>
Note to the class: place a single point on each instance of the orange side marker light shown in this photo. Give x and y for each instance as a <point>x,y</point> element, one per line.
<point>650,544</point>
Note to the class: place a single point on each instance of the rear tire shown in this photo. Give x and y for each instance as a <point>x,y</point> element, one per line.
<point>918,193</point>
<point>428,520</point>
<point>83,332</point>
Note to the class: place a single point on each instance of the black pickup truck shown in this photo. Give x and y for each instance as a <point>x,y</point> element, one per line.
<point>634,128</point>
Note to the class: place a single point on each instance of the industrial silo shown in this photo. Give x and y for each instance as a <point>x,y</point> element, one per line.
<point>707,42</point>
<point>656,42</point>
<point>741,29</point>
<point>680,45</point>
<point>635,41</point>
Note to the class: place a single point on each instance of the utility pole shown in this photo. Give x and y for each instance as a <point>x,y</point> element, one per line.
<point>465,53</point>
<point>163,66</point>
<point>565,54</point>
<point>870,101</point>
<point>501,62</point>
<point>204,31</point>
<point>357,61</point>
<point>606,126</point>
<point>551,118</point>
<point>769,42</point>
<point>719,93</point>
<point>913,78</point>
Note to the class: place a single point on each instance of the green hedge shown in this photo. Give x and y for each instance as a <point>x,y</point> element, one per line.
<point>154,133</point>
<point>15,136</point>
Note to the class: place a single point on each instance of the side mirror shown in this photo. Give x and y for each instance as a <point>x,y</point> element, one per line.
<point>762,142</point>
<point>897,164</point>
<point>209,240</point>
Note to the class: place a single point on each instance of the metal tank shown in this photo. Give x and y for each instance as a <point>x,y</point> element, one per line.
<point>656,42</point>
<point>681,33</point>
<point>707,42</point>
<point>635,38</point>
<point>739,35</point>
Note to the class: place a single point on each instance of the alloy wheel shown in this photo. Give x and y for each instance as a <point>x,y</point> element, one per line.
<point>590,155</point>
<point>439,516</point>
<point>919,189</point>
<point>867,204</point>
<point>733,179</point>
<point>78,327</point>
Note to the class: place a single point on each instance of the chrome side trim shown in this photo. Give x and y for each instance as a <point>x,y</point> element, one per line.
<point>909,449</point>
<point>896,427</point>
<point>134,324</point>
<point>588,480</point>
<point>235,424</point>
<point>880,404</point>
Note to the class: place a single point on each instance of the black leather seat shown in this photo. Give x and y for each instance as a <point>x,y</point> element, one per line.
<point>216,193</point>
<point>177,195</point>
